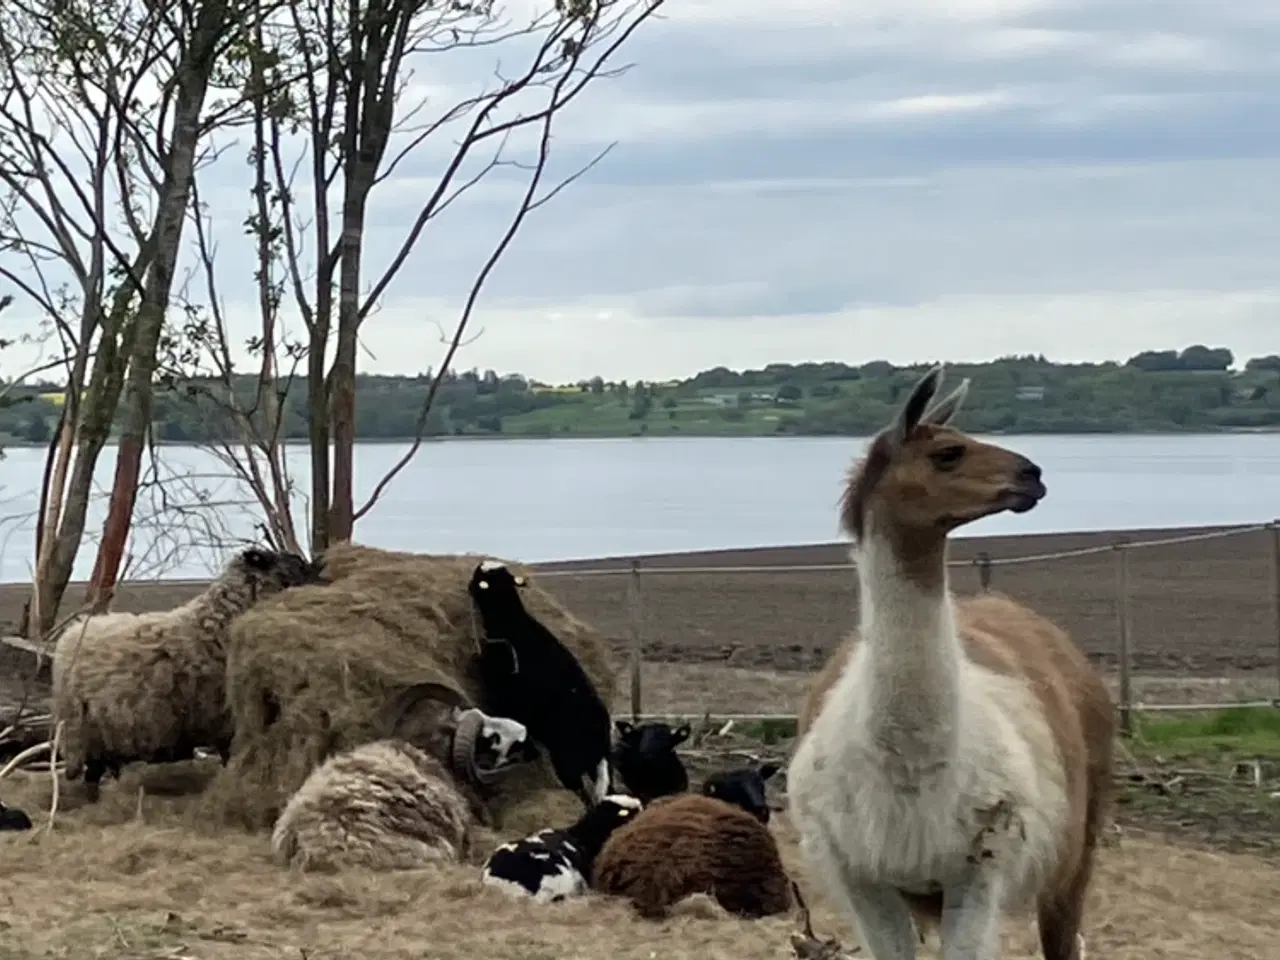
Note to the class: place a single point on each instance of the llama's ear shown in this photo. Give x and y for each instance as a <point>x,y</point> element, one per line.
<point>911,412</point>
<point>942,412</point>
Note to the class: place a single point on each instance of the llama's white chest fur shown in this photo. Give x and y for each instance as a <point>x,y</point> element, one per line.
<point>892,786</point>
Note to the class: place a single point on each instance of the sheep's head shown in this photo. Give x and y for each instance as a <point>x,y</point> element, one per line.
<point>652,740</point>
<point>921,474</point>
<point>270,571</point>
<point>486,747</point>
<point>611,812</point>
<point>743,787</point>
<point>493,580</point>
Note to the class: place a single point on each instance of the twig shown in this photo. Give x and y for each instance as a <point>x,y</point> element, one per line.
<point>53,775</point>
<point>26,754</point>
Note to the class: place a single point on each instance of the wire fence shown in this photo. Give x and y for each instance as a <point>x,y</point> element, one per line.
<point>1185,622</point>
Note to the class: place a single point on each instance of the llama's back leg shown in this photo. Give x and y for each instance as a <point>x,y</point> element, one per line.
<point>1061,914</point>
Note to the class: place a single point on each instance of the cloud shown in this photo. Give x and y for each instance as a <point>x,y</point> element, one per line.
<point>832,180</point>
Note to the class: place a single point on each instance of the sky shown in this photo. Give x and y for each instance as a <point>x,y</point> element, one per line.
<point>854,180</point>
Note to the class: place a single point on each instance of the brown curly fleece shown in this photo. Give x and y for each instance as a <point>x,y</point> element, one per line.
<point>385,805</point>
<point>688,844</point>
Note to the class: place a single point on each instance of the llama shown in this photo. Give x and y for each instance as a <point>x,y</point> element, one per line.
<point>955,756</point>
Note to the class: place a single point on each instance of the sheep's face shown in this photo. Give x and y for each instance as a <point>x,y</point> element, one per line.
<point>743,788</point>
<point>502,742</point>
<point>494,581</point>
<point>270,571</point>
<point>649,741</point>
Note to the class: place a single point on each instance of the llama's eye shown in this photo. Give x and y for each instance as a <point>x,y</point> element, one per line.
<point>948,457</point>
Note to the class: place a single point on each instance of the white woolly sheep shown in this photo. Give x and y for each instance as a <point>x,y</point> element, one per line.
<point>152,686</point>
<point>530,676</point>
<point>687,844</point>
<point>391,805</point>
<point>555,864</point>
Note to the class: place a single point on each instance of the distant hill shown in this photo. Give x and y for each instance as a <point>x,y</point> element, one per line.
<point>1195,389</point>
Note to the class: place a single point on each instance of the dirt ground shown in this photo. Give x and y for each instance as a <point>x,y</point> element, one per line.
<point>134,880</point>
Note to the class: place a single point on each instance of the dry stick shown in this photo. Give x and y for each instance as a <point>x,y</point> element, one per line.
<point>26,754</point>
<point>53,776</point>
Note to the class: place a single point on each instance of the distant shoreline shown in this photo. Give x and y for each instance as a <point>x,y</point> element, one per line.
<point>499,437</point>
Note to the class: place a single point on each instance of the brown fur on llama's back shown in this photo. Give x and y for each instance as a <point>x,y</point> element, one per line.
<point>686,844</point>
<point>312,671</point>
<point>385,805</point>
<point>1006,637</point>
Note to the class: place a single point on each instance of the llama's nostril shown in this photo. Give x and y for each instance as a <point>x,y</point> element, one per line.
<point>1029,472</point>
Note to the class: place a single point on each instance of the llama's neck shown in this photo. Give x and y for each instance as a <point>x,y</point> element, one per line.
<point>908,624</point>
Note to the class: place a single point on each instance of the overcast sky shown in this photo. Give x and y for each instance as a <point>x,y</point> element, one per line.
<point>864,179</point>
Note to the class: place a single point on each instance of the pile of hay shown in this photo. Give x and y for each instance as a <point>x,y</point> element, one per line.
<point>313,670</point>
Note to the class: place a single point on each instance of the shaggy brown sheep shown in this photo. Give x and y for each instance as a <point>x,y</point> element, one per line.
<point>689,844</point>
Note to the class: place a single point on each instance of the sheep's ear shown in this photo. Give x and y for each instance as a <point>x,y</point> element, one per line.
<point>768,770</point>
<point>521,582</point>
<point>482,584</point>
<point>681,733</point>
<point>623,727</point>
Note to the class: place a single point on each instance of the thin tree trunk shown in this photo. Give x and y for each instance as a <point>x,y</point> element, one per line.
<point>171,217</point>
<point>342,385</point>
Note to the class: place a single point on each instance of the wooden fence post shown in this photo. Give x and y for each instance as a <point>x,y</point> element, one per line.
<point>1275,569</point>
<point>984,571</point>
<point>636,606</point>
<point>1122,635</point>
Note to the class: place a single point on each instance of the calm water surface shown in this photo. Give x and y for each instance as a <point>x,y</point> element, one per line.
<point>540,500</point>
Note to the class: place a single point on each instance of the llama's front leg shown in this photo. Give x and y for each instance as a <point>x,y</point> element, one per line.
<point>971,913</point>
<point>884,922</point>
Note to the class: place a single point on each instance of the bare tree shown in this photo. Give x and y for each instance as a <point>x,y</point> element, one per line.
<point>310,202</point>
<point>106,106</point>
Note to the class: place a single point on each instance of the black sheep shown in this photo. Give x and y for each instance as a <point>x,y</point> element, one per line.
<point>743,787</point>
<point>531,677</point>
<point>646,758</point>
<point>11,818</point>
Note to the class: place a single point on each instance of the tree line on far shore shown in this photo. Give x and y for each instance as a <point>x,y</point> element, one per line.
<point>1195,389</point>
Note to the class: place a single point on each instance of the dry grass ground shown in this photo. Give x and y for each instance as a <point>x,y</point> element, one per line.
<point>123,880</point>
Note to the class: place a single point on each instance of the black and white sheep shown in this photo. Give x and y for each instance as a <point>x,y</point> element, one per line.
<point>555,864</point>
<point>11,818</point>
<point>743,787</point>
<point>389,805</point>
<point>530,676</point>
<point>646,758</point>
<point>152,686</point>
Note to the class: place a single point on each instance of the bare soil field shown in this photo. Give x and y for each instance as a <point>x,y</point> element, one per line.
<point>1199,609</point>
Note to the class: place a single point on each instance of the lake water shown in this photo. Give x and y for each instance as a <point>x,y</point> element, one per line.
<point>541,500</point>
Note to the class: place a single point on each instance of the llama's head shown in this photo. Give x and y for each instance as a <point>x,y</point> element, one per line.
<point>920,474</point>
